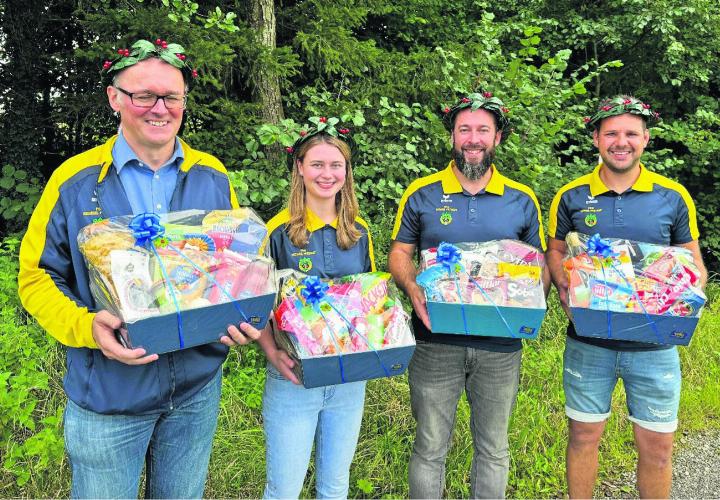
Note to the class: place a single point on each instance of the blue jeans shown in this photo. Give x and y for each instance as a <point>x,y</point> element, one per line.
<point>293,418</point>
<point>652,383</point>
<point>438,373</point>
<point>107,452</point>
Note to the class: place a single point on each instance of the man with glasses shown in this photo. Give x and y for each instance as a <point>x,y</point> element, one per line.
<point>127,409</point>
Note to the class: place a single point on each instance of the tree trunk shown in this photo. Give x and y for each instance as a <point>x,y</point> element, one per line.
<point>267,86</point>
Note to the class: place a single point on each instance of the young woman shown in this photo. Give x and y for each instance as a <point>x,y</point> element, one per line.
<point>320,234</point>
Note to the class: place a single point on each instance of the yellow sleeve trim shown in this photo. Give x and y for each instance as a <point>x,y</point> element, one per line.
<point>60,316</point>
<point>281,218</point>
<point>680,189</point>
<point>371,250</point>
<point>525,189</point>
<point>414,186</point>
<point>552,215</point>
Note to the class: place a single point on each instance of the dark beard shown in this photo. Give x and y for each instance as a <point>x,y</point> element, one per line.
<point>474,171</point>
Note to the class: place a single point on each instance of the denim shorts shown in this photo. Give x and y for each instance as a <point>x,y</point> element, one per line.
<point>651,378</point>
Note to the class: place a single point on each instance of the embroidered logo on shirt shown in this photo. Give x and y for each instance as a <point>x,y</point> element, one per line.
<point>305,264</point>
<point>590,220</point>
<point>446,218</point>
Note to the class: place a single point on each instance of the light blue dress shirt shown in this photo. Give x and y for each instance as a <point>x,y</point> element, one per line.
<point>147,190</point>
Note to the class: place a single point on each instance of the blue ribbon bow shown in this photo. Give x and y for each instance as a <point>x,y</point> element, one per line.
<point>448,255</point>
<point>598,247</point>
<point>146,228</point>
<point>314,290</point>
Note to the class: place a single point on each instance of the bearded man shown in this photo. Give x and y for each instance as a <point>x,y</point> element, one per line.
<point>469,201</point>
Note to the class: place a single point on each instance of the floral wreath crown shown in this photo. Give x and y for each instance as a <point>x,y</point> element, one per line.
<point>171,53</point>
<point>479,100</point>
<point>320,125</point>
<point>620,105</point>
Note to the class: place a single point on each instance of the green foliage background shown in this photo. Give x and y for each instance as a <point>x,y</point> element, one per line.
<point>387,68</point>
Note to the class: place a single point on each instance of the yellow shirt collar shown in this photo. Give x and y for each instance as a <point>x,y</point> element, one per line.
<point>313,222</point>
<point>643,183</point>
<point>451,184</point>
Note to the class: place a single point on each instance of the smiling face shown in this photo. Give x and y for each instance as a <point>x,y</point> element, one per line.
<point>621,141</point>
<point>474,137</point>
<point>323,170</point>
<point>148,130</point>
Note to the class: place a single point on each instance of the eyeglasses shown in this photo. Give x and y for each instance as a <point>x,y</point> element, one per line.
<point>147,100</point>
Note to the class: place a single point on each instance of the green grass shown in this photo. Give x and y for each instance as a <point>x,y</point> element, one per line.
<point>538,427</point>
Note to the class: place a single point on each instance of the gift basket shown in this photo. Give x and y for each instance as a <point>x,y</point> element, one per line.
<point>178,279</point>
<point>492,288</point>
<point>629,290</point>
<point>344,330</point>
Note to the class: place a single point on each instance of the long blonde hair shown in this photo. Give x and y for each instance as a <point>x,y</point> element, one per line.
<point>345,200</point>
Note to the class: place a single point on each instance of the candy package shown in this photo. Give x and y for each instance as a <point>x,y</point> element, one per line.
<point>472,288</point>
<point>356,321</point>
<point>645,281</point>
<point>150,266</point>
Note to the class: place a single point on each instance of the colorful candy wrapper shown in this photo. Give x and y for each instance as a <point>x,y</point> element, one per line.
<point>638,277</point>
<point>193,264</point>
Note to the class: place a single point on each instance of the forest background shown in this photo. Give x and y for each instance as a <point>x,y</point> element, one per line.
<point>387,69</point>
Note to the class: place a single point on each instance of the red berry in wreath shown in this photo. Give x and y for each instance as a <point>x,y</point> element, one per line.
<point>646,106</point>
<point>586,119</point>
<point>487,95</point>
<point>289,149</point>
<point>446,110</point>
<point>194,73</point>
<point>606,108</point>
<point>505,110</point>
<point>158,41</point>
<point>323,119</point>
<point>464,99</point>
<point>303,133</point>
<point>107,64</point>
<point>627,101</point>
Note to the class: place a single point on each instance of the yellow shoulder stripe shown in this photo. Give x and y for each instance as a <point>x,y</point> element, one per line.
<point>60,316</point>
<point>371,250</point>
<point>680,189</point>
<point>552,215</point>
<point>525,189</point>
<point>414,186</point>
<point>280,219</point>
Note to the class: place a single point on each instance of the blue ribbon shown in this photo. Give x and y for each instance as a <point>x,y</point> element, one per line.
<point>146,228</point>
<point>597,247</point>
<point>314,292</point>
<point>448,256</point>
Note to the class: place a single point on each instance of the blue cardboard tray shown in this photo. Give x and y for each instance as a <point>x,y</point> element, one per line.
<point>325,370</point>
<point>204,325</point>
<point>484,320</point>
<point>671,330</point>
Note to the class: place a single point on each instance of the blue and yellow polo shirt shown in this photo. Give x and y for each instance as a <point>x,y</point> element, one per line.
<point>435,208</point>
<point>654,210</point>
<point>321,256</point>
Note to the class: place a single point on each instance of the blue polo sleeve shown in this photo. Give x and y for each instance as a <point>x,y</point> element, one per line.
<point>533,233</point>
<point>560,218</point>
<point>684,228</point>
<point>407,221</point>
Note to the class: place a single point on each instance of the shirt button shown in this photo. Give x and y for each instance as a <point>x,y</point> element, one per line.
<point>619,210</point>
<point>472,198</point>
<point>141,164</point>
<point>158,205</point>
<point>472,210</point>
<point>157,176</point>
<point>619,197</point>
